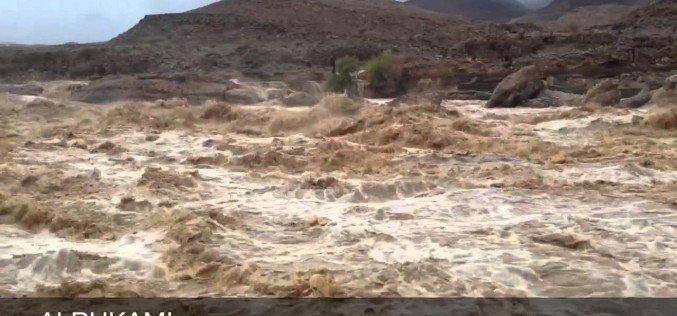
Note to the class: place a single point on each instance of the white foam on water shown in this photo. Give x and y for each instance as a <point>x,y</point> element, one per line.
<point>475,109</point>
<point>479,236</point>
<point>52,260</point>
<point>571,131</point>
<point>629,174</point>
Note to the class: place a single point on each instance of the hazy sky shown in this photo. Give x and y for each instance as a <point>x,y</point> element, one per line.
<point>535,3</point>
<point>61,21</point>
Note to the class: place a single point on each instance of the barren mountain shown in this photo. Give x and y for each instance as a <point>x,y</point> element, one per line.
<point>278,39</point>
<point>489,10</point>
<point>264,37</point>
<point>314,21</point>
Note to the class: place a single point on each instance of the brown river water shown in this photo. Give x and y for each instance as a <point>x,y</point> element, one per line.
<point>343,199</point>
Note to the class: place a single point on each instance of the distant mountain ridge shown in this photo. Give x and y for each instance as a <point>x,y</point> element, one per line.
<point>589,12</point>
<point>558,8</point>
<point>581,14</point>
<point>485,10</point>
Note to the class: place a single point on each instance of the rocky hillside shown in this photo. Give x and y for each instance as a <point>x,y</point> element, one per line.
<point>487,10</point>
<point>656,19</point>
<point>265,21</point>
<point>281,39</point>
<point>274,36</point>
<point>313,7</point>
<point>263,38</point>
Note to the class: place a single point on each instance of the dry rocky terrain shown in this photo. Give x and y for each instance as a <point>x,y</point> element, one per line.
<point>270,40</point>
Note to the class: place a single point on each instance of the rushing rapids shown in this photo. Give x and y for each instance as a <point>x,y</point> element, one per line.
<point>342,199</point>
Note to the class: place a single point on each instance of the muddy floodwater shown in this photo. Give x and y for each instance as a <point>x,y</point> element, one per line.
<point>343,199</point>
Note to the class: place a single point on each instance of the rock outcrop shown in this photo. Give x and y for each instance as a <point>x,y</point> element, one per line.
<point>657,19</point>
<point>518,87</point>
<point>549,98</point>
<point>667,94</point>
<point>638,100</point>
<point>604,93</point>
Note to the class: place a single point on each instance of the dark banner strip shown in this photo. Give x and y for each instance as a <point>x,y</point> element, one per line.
<point>338,307</point>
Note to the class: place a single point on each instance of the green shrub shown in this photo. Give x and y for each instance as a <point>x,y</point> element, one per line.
<point>385,75</point>
<point>345,66</point>
<point>375,73</point>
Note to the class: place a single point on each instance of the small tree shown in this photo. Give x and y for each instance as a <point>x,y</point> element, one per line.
<point>342,79</point>
<point>375,73</point>
<point>385,74</point>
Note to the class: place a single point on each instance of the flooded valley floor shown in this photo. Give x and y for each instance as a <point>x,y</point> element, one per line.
<point>342,199</point>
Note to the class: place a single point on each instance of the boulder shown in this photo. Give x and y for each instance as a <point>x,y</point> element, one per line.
<point>277,94</point>
<point>513,90</point>
<point>22,89</point>
<point>300,99</point>
<point>667,94</point>
<point>638,100</point>
<point>604,93</point>
<point>566,98</point>
<point>242,96</point>
<point>549,98</point>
